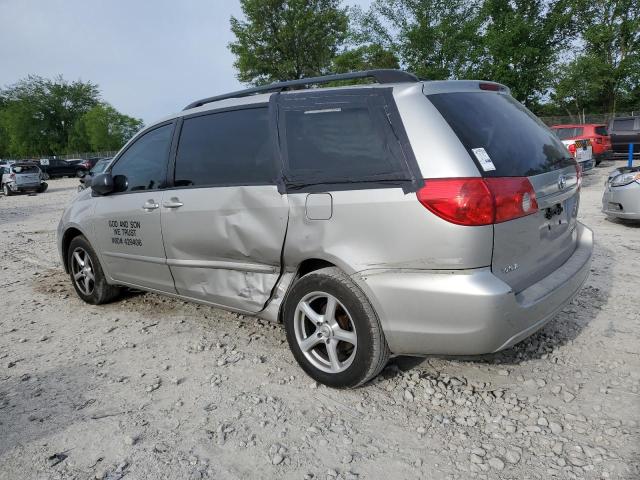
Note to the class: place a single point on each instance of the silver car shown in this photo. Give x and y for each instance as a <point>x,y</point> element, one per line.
<point>398,217</point>
<point>621,198</point>
<point>19,177</point>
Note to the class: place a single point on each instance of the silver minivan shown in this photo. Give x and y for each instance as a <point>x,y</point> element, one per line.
<point>399,217</point>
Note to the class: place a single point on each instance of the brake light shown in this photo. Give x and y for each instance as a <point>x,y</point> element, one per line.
<point>492,87</point>
<point>572,150</point>
<point>479,201</point>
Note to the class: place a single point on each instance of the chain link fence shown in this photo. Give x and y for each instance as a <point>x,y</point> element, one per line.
<point>602,118</point>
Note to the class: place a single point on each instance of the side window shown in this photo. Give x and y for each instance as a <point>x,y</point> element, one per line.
<point>601,131</point>
<point>144,163</point>
<point>341,143</point>
<point>228,148</point>
<point>623,124</point>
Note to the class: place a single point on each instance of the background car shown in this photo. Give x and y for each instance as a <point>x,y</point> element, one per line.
<point>85,180</point>
<point>621,198</point>
<point>56,168</point>
<point>623,131</point>
<point>21,177</point>
<point>582,151</point>
<point>597,133</point>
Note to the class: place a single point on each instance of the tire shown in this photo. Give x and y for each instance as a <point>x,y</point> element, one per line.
<point>43,187</point>
<point>354,319</point>
<point>7,191</point>
<point>95,291</point>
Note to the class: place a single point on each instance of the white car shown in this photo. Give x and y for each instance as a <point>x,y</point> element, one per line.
<point>582,151</point>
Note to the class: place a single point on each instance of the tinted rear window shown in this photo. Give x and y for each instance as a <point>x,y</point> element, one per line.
<point>624,124</point>
<point>25,169</point>
<point>601,131</point>
<point>228,148</point>
<point>517,142</point>
<point>337,143</point>
<point>566,133</point>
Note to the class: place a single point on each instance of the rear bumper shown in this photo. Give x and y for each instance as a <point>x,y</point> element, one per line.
<point>23,187</point>
<point>622,202</point>
<point>469,312</point>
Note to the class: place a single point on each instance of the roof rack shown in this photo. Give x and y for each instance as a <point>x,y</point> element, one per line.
<point>380,76</point>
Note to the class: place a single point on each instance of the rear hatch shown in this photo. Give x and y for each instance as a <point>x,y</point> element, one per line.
<point>623,132</point>
<point>505,139</point>
<point>26,175</point>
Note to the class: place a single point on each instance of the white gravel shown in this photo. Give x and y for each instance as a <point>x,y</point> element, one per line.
<point>151,388</point>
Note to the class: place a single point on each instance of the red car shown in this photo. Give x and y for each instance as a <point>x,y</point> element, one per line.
<point>597,133</point>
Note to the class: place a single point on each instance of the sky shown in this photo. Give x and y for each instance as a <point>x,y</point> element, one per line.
<point>150,58</point>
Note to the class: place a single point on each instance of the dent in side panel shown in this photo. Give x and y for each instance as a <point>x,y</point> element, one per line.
<point>224,244</point>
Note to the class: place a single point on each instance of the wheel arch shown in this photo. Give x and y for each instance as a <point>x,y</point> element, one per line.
<point>68,235</point>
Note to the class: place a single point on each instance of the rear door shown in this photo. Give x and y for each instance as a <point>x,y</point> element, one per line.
<point>224,221</point>
<point>495,126</point>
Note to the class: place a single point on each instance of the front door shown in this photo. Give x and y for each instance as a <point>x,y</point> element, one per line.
<point>224,221</point>
<point>127,224</point>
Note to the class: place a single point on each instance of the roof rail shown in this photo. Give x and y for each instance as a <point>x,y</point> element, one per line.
<point>380,76</point>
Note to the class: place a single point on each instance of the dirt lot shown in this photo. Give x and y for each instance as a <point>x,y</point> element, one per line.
<point>150,388</point>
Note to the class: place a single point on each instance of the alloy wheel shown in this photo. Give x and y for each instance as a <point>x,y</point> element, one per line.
<point>82,271</point>
<point>325,332</point>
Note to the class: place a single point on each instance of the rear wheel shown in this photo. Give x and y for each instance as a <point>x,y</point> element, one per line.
<point>86,273</point>
<point>7,191</point>
<point>43,187</point>
<point>333,331</point>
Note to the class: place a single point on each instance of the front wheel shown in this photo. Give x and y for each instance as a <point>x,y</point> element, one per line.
<point>86,273</point>
<point>333,331</point>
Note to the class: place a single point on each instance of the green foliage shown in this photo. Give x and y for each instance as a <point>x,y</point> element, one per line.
<point>435,39</point>
<point>287,39</point>
<point>39,116</point>
<point>103,128</point>
<point>557,56</point>
<point>366,57</point>
<point>605,75</point>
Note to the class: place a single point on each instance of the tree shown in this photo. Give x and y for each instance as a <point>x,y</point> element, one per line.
<point>38,114</point>
<point>436,39</point>
<point>521,43</point>
<point>103,128</point>
<point>287,39</point>
<point>606,73</point>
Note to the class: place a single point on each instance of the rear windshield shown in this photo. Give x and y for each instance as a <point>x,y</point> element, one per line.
<point>25,169</point>
<point>624,124</point>
<point>566,133</point>
<point>496,126</point>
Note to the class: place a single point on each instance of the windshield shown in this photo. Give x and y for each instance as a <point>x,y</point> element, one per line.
<point>501,135</point>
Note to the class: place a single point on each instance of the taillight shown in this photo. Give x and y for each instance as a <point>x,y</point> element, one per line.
<point>598,140</point>
<point>572,150</point>
<point>479,201</point>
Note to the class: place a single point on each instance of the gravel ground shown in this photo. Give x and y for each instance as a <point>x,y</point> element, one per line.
<point>151,388</point>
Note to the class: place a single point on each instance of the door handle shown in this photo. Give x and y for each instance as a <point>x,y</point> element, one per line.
<point>150,205</point>
<point>173,203</point>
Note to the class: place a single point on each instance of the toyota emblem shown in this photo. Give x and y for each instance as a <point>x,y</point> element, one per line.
<point>562,182</point>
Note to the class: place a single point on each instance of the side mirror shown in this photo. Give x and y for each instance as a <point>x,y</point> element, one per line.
<point>102,184</point>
